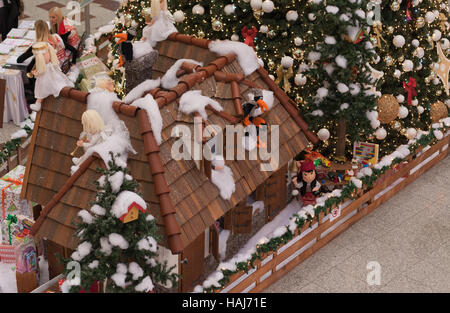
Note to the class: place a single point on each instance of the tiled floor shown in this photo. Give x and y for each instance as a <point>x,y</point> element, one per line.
<point>409,236</point>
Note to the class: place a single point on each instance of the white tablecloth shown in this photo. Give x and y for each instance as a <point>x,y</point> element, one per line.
<point>15,102</point>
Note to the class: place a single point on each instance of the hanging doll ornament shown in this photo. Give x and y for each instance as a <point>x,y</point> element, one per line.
<point>49,77</point>
<point>306,184</point>
<point>252,109</point>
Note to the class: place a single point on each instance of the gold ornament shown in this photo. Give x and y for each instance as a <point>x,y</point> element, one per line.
<point>438,92</point>
<point>390,30</point>
<point>438,111</point>
<point>388,60</point>
<point>298,99</point>
<point>442,20</point>
<point>403,131</point>
<point>395,6</point>
<point>284,34</point>
<point>200,34</point>
<point>378,30</point>
<point>427,80</point>
<point>297,54</point>
<point>444,68</point>
<point>396,125</point>
<point>271,34</point>
<point>271,64</point>
<point>284,74</point>
<point>388,109</point>
<point>420,22</point>
<point>401,58</point>
<point>217,25</point>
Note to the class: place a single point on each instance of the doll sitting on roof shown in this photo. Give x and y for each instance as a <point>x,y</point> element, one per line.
<point>49,77</point>
<point>94,132</point>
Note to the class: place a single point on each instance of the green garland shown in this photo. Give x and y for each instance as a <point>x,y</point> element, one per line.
<point>11,146</point>
<point>347,193</point>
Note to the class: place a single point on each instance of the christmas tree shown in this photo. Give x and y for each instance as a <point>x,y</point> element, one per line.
<point>118,240</point>
<point>406,38</point>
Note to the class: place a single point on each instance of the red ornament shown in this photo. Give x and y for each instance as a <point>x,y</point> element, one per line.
<point>410,89</point>
<point>249,35</point>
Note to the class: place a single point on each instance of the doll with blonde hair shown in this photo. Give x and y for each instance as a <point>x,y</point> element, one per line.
<point>158,29</point>
<point>94,130</point>
<point>49,78</point>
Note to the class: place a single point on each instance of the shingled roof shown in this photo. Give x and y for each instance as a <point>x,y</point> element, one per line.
<point>182,199</point>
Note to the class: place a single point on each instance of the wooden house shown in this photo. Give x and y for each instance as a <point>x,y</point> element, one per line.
<point>180,194</point>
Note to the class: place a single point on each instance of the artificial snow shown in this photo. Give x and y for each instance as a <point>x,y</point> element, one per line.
<point>330,40</point>
<point>193,101</point>
<point>135,270</point>
<point>148,243</point>
<point>138,91</point>
<point>223,237</point>
<point>245,54</point>
<point>93,264</point>
<point>123,202</point>
<point>116,181</point>
<point>19,134</point>
<point>332,9</point>
<point>118,142</point>
<point>223,179</point>
<point>341,61</point>
<point>170,79</point>
<point>106,246</point>
<point>314,56</point>
<point>98,210</point>
<point>86,216</point>
<point>154,115</point>
<point>120,276</point>
<point>149,218</point>
<point>83,250</point>
<point>8,282</point>
<point>342,88</point>
<point>146,285</point>
<point>118,240</point>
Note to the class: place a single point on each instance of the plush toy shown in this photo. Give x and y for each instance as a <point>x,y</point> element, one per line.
<point>251,114</point>
<point>306,184</point>
<point>49,78</point>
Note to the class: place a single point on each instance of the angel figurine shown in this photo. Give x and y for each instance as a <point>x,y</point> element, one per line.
<point>49,77</point>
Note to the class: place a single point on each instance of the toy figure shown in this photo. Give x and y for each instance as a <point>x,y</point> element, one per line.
<point>94,131</point>
<point>158,29</point>
<point>306,183</point>
<point>252,111</point>
<point>49,78</point>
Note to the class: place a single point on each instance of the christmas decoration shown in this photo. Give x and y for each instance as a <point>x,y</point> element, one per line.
<point>443,68</point>
<point>438,111</point>
<point>410,86</point>
<point>388,108</point>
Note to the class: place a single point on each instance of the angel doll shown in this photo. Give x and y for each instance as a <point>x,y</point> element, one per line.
<point>94,130</point>
<point>49,77</point>
<point>162,24</point>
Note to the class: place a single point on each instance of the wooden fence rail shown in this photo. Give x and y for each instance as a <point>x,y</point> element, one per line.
<point>18,157</point>
<point>310,239</point>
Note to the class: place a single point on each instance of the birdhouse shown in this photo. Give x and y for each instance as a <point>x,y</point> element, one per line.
<point>132,213</point>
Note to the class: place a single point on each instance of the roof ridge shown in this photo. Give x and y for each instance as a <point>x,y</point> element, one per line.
<point>151,149</point>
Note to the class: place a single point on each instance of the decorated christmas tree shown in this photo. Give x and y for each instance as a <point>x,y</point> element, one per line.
<point>407,38</point>
<point>118,240</point>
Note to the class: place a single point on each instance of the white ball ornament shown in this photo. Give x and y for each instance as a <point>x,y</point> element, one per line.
<point>400,98</point>
<point>403,112</point>
<point>415,102</point>
<point>256,4</point>
<point>235,37</point>
<point>429,17</point>
<point>229,9</point>
<point>291,16</point>
<point>178,16</point>
<point>420,52</point>
<point>311,16</point>
<point>300,79</point>
<point>436,81</point>
<point>298,41</point>
<point>411,133</point>
<point>415,42</point>
<point>272,77</point>
<point>264,29</point>
<point>436,35</point>
<point>268,6</point>
<point>399,41</point>
<point>380,133</point>
<point>287,61</point>
<point>323,134</point>
<point>420,109</point>
<point>397,74</point>
<point>407,65</point>
<point>198,9</point>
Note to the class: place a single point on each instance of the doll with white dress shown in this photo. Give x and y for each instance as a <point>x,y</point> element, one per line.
<point>94,130</point>
<point>49,77</point>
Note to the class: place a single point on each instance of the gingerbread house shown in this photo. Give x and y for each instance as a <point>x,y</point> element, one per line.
<point>180,193</point>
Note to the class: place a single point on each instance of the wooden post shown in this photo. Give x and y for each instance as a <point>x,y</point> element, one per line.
<point>2,100</point>
<point>341,132</point>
